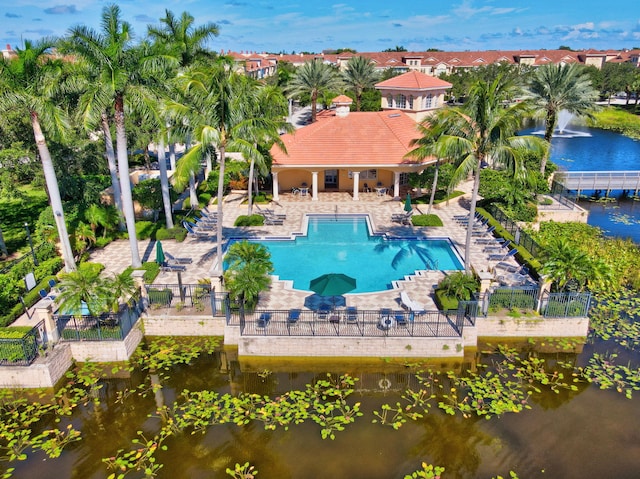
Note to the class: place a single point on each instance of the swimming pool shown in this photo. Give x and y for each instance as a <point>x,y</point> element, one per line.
<point>344,244</point>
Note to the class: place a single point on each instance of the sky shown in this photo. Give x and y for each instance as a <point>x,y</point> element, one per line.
<point>363,25</point>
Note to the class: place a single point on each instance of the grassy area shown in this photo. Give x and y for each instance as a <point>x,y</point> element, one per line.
<point>617,119</point>
<point>441,196</point>
<point>15,213</point>
<point>426,220</point>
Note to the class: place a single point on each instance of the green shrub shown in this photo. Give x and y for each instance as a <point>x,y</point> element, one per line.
<point>16,332</point>
<point>93,269</point>
<point>442,196</point>
<point>101,242</point>
<point>444,301</point>
<point>49,267</point>
<point>151,270</point>
<point>261,198</point>
<point>145,229</point>
<point>204,198</point>
<point>253,220</point>
<point>177,233</point>
<point>545,201</point>
<point>426,220</point>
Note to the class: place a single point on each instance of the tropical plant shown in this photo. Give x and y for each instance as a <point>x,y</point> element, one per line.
<point>244,252</point>
<point>29,82</point>
<point>555,87</point>
<point>313,78</point>
<point>570,268</point>
<point>359,75</point>
<point>249,266</point>
<point>120,286</point>
<point>121,70</point>
<point>459,285</point>
<point>219,115</point>
<point>80,288</point>
<point>483,133</point>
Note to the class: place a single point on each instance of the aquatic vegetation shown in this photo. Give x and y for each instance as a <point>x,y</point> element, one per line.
<point>603,371</point>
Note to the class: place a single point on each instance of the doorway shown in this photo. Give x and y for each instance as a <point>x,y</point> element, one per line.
<point>331,179</point>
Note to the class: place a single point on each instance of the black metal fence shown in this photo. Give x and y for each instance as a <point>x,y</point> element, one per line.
<point>520,236</point>
<point>565,305</point>
<point>23,351</point>
<point>193,298</point>
<point>104,327</point>
<point>364,323</point>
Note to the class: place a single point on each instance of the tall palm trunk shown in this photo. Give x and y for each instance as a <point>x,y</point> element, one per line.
<point>113,168</point>
<point>549,126</point>
<point>172,156</point>
<point>3,245</point>
<point>219,270</point>
<point>123,168</point>
<point>314,106</point>
<point>433,187</point>
<point>250,187</point>
<point>164,183</point>
<point>472,213</point>
<point>54,193</point>
<point>193,194</point>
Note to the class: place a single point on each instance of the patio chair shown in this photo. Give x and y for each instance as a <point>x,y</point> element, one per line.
<point>400,318</point>
<point>497,247</point>
<point>402,218</point>
<point>263,320</point>
<point>323,311</point>
<point>294,315</point>
<point>269,220</point>
<point>172,268</point>
<point>410,304</point>
<point>511,268</point>
<point>172,259</point>
<point>502,257</point>
<point>52,283</point>
<point>193,232</point>
<point>490,241</point>
<point>351,314</point>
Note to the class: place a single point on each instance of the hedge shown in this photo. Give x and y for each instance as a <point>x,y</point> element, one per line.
<point>445,302</point>
<point>426,220</point>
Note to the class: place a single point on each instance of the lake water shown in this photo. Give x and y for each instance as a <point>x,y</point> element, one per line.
<point>580,434</point>
<point>603,151</point>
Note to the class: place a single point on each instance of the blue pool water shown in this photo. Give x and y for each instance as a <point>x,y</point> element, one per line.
<point>343,244</point>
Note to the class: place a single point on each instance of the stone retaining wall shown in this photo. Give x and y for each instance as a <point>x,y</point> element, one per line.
<point>43,373</point>
<point>507,327</point>
<point>331,346</point>
<point>187,326</point>
<point>107,351</point>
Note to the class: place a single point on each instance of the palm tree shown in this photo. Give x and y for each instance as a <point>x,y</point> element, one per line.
<point>119,286</point>
<point>571,268</point>
<point>313,78</point>
<point>28,83</point>
<point>79,288</point>
<point>481,132</point>
<point>221,117</point>
<point>121,69</point>
<point>179,38</point>
<point>245,252</point>
<point>556,87</point>
<point>272,107</point>
<point>359,75</point>
<point>247,281</point>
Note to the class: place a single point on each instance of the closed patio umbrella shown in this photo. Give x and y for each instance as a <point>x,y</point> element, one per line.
<point>160,259</point>
<point>407,203</point>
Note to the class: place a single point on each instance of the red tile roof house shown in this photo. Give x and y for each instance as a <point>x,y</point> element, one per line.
<point>349,151</point>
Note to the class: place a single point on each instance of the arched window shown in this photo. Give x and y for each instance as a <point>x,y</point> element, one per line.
<point>390,101</point>
<point>428,101</point>
<point>401,101</point>
<point>410,102</point>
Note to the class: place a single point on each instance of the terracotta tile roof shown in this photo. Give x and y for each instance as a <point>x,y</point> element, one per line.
<point>360,138</point>
<point>414,80</point>
<point>342,99</point>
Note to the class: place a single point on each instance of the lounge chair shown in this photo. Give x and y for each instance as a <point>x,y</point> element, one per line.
<point>263,320</point>
<point>402,218</point>
<point>490,241</point>
<point>294,315</point>
<point>270,220</point>
<point>193,231</point>
<point>409,303</point>
<point>351,314</point>
<point>484,233</point>
<point>512,268</point>
<point>172,268</point>
<point>502,257</point>
<point>173,260</point>
<point>323,311</point>
<point>496,248</point>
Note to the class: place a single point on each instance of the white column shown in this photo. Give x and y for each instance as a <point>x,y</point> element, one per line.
<point>356,185</point>
<point>314,186</point>
<point>276,187</point>
<point>396,184</point>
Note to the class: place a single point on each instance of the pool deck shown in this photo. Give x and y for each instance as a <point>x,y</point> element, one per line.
<point>116,256</point>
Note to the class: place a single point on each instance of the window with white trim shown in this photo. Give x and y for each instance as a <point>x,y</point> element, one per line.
<point>390,101</point>
<point>410,102</point>
<point>401,101</point>
<point>428,100</point>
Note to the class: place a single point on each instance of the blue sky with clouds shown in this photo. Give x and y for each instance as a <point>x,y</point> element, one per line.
<point>364,25</point>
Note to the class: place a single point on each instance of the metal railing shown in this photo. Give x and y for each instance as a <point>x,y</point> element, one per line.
<point>565,305</point>
<point>23,351</point>
<point>521,237</point>
<point>599,180</point>
<point>362,323</point>
<point>193,297</point>
<point>104,327</point>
